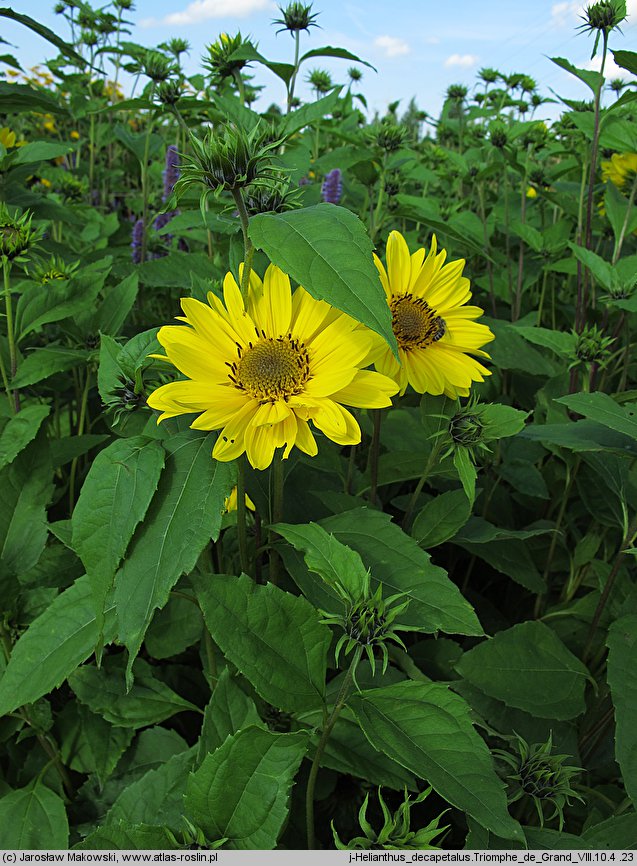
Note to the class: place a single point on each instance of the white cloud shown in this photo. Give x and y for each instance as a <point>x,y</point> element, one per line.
<point>611,69</point>
<point>464,61</point>
<point>392,45</point>
<point>203,10</point>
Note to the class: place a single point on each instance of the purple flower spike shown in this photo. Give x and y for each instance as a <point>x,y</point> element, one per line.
<point>171,171</point>
<point>332,187</point>
<point>137,241</point>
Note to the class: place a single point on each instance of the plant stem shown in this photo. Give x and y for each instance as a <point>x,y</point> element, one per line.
<point>149,129</point>
<point>433,455</point>
<point>620,240</point>
<point>241,515</point>
<point>278,479</point>
<point>13,354</point>
<point>80,429</point>
<point>341,699</point>
<point>248,246</point>
<point>610,581</point>
<point>297,45</point>
<point>374,454</point>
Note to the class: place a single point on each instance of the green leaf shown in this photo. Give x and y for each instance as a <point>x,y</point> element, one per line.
<point>148,701</point>
<point>580,436</point>
<point>88,743</point>
<point>274,638</point>
<point>528,667</point>
<point>329,51</point>
<point>396,561</point>
<point>184,515</point>
<point>600,269</point>
<point>617,207</point>
<point>419,210</point>
<point>504,550</point>
<point>627,60</point>
<point>16,98</point>
<point>466,470</point>
<point>228,711</point>
<point>47,361</point>
<point>156,798</point>
<point>560,342</point>
<point>619,832</point>
<point>39,151</point>
<point>310,113</point>
<point>20,430</point>
<point>33,818</point>
<point>327,250</point>
<point>335,563</point>
<point>47,34</point>
<point>604,410</point>
<point>116,306</point>
<point>114,499</point>
<point>427,728</point>
<point>52,647</point>
<point>124,836</point>
<point>593,80</point>
<point>26,486</point>
<point>242,791</point>
<point>173,629</point>
<point>622,679</point>
<point>501,421</point>
<point>441,518</point>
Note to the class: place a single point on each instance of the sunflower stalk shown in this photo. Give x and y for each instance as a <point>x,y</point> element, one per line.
<point>278,481</point>
<point>13,354</point>
<point>248,246</point>
<point>242,531</point>
<point>341,700</point>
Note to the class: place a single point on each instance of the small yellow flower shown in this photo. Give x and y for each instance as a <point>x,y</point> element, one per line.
<point>74,134</point>
<point>46,183</point>
<point>531,192</point>
<point>231,502</point>
<point>7,137</point>
<point>620,170</point>
<point>434,328</point>
<point>262,372</point>
<point>13,73</point>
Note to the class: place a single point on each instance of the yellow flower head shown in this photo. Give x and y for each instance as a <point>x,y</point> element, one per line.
<point>435,330</point>
<point>74,134</point>
<point>531,192</point>
<point>7,137</point>
<point>263,372</point>
<point>620,170</point>
<point>231,501</point>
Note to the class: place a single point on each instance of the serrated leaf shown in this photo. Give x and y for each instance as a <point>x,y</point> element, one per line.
<point>115,307</point>
<point>124,836</point>
<point>45,33</point>
<point>33,818</point>
<point>593,80</point>
<point>622,679</point>
<point>19,430</point>
<point>228,711</point>
<point>441,518</point>
<point>52,647</point>
<point>310,113</point>
<point>529,668</point>
<point>148,702</point>
<point>184,515</point>
<point>241,792</point>
<point>396,561</point>
<point>560,342</point>
<point>604,410</point>
<point>156,798</point>
<point>466,470</point>
<point>337,564</point>
<point>427,728</point>
<point>274,638</point>
<point>114,498</point>
<point>88,743</point>
<point>47,361</point>
<point>327,250</point>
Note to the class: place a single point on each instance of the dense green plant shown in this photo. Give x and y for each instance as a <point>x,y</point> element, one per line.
<point>198,652</point>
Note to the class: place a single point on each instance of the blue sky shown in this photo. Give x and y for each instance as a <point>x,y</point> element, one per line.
<point>419,47</point>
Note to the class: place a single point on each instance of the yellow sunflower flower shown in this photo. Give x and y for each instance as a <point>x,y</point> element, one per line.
<point>620,170</point>
<point>434,328</point>
<point>231,501</point>
<point>262,373</point>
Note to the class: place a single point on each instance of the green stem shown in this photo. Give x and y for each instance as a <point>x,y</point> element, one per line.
<point>80,429</point>
<point>376,216</point>
<point>236,74</point>
<point>620,240</point>
<point>13,353</point>
<point>374,454</point>
<point>433,456</point>
<point>341,699</point>
<point>542,296</point>
<point>242,531</point>
<point>247,243</point>
<point>278,479</point>
<point>297,45</point>
<point>149,130</point>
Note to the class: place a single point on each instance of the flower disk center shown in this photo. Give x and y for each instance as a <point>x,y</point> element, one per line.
<point>414,323</point>
<point>272,369</point>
